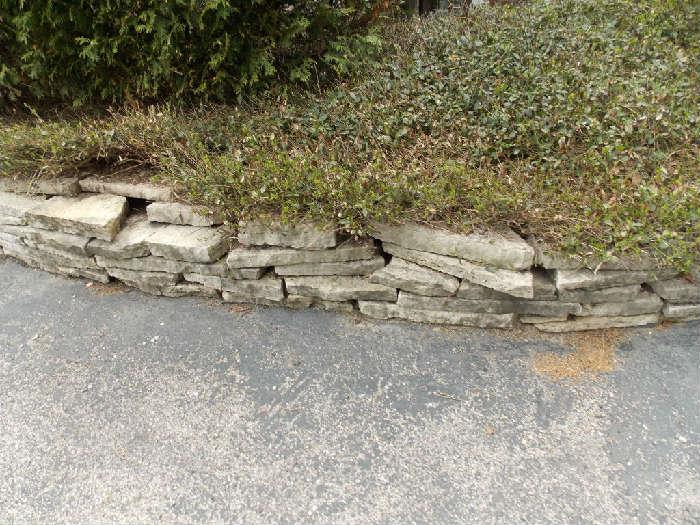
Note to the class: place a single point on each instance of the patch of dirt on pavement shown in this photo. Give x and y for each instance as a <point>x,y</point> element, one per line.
<point>112,288</point>
<point>593,354</point>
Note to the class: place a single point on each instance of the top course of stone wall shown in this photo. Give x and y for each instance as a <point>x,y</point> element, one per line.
<point>136,233</point>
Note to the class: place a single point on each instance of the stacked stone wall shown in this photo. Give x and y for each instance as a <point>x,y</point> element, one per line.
<point>97,229</point>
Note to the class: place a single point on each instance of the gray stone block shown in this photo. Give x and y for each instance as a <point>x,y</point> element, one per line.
<point>596,323</point>
<point>300,301</point>
<point>210,281</point>
<point>677,290</point>
<point>182,214</point>
<point>470,290</point>
<point>589,280</point>
<point>64,186</point>
<point>246,273</point>
<point>135,190</point>
<point>267,289</point>
<point>515,283</point>
<point>338,288</point>
<point>552,259</point>
<point>303,235</point>
<point>501,250</point>
<point>129,242</point>
<point>647,303</point>
<point>188,243</point>
<point>150,282</point>
<point>98,216</point>
<point>415,278</point>
<point>189,290</point>
<point>538,319</point>
<point>7,220</point>
<point>15,205</point>
<point>247,257</point>
<point>441,263</point>
<point>681,312</point>
<point>363,267</point>
<point>604,295</point>
<point>382,310</point>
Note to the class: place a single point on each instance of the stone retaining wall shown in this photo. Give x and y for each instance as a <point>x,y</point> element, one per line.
<point>92,228</point>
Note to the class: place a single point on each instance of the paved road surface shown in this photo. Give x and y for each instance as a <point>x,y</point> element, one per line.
<point>126,408</point>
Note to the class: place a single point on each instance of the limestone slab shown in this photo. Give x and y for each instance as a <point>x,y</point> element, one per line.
<point>131,241</point>
<point>300,301</point>
<point>515,283</point>
<point>537,319</point>
<point>210,281</point>
<point>188,290</point>
<point>604,295</point>
<point>143,264</point>
<point>64,186</point>
<point>502,250</point>
<point>362,267</point>
<point>183,214</point>
<point>412,277</point>
<point>441,263</point>
<point>339,288</point>
<point>136,190</point>
<point>677,290</point>
<point>98,216</point>
<point>17,205</point>
<point>12,221</point>
<point>553,259</point>
<point>61,257</point>
<point>470,290</point>
<point>589,280</point>
<point>265,290</point>
<point>681,312</point>
<point>247,257</point>
<point>151,282</point>
<point>274,233</point>
<point>383,310</point>
<point>596,323</point>
<point>63,241</point>
<point>188,243</point>
<point>647,303</point>
<point>246,273</point>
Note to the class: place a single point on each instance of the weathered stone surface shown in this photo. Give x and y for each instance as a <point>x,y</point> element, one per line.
<point>595,323</point>
<point>150,282</point>
<point>245,257</point>
<point>188,243</point>
<point>382,310</point>
<point>76,244</point>
<point>507,250</point>
<point>415,278</point>
<point>363,267</point>
<point>470,290</point>
<point>681,312</point>
<point>210,281</point>
<point>98,216</point>
<point>441,263</point>
<point>246,273</point>
<point>64,186</point>
<point>300,301</point>
<point>537,319</point>
<point>264,291</point>
<point>135,190</point>
<point>188,290</point>
<point>129,242</point>
<point>496,306</point>
<point>303,235</point>
<point>60,257</point>
<point>604,295</point>
<point>340,288</point>
<point>543,286</point>
<point>647,303</point>
<point>453,304</point>
<point>517,284</point>
<point>8,238</point>
<point>143,264</point>
<point>589,280</point>
<point>178,213</point>
<point>12,221</point>
<point>17,205</point>
<point>552,259</point>
<point>677,290</point>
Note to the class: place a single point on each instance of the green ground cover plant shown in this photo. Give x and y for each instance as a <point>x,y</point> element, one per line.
<point>575,121</point>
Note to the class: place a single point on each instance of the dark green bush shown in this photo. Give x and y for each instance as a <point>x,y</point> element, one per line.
<point>121,50</point>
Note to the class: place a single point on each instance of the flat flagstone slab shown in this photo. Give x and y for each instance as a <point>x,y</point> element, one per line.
<point>502,250</point>
<point>131,241</point>
<point>263,291</point>
<point>681,312</point>
<point>441,263</point>
<point>596,323</point>
<point>339,288</point>
<point>150,282</point>
<point>552,259</point>
<point>99,216</point>
<point>589,280</point>
<point>136,190</point>
<point>188,243</point>
<point>511,282</point>
<point>361,267</point>
<point>17,205</point>
<point>677,290</point>
<point>647,303</point>
<point>300,301</point>
<point>64,186</point>
<point>246,257</point>
<point>183,214</point>
<point>415,278</point>
<point>382,310</point>
<point>64,241</point>
<point>302,235</point>
<point>604,295</point>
